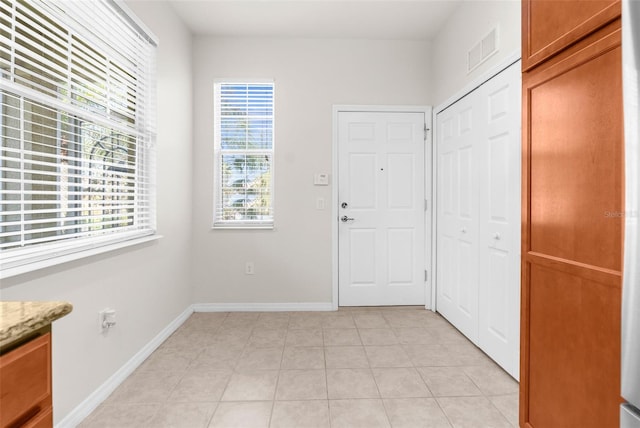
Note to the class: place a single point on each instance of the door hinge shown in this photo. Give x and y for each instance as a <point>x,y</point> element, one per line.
<point>426,131</point>
<point>426,205</point>
<point>426,275</point>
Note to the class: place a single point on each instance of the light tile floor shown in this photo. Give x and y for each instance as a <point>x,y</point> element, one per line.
<point>360,367</point>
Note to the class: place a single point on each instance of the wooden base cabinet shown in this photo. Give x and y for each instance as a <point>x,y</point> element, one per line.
<point>25,385</point>
<point>572,230</point>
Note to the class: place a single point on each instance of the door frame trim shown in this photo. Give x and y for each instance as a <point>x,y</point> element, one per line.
<point>428,161</point>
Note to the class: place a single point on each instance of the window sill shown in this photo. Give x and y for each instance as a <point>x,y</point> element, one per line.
<point>271,227</point>
<point>78,255</point>
<point>231,225</point>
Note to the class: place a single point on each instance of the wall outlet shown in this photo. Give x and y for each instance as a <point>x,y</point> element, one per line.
<point>249,268</point>
<point>106,319</point>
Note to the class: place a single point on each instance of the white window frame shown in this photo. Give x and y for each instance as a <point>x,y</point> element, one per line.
<point>15,260</point>
<point>218,223</point>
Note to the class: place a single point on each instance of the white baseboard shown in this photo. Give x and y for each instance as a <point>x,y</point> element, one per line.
<point>261,307</point>
<point>84,409</point>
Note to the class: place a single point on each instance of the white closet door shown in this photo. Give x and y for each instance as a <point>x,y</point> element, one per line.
<point>499,238</point>
<point>457,230</point>
<point>478,216</point>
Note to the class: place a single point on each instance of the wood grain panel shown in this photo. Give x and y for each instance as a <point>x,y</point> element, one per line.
<point>571,236</point>
<point>25,383</point>
<point>574,351</point>
<point>43,420</point>
<point>576,144</point>
<point>548,26</point>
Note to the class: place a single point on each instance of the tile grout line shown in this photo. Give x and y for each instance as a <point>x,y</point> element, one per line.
<point>252,325</point>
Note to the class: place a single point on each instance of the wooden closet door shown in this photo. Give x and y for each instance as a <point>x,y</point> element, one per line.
<point>572,236</point>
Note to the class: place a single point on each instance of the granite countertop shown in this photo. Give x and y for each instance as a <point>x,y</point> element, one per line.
<point>20,319</point>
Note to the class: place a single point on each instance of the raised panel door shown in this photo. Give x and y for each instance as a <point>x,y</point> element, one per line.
<point>381,241</point>
<point>499,219</point>
<point>457,231</point>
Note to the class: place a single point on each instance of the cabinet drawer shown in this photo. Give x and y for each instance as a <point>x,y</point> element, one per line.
<point>25,382</point>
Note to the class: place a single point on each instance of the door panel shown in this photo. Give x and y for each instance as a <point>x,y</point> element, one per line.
<point>550,26</point>
<point>564,166</point>
<point>400,256</point>
<point>572,155</point>
<point>457,290</point>
<point>499,235</point>
<point>362,190</point>
<point>573,353</point>
<point>381,180</point>
<point>363,250</point>
<point>498,325</point>
<point>401,172</point>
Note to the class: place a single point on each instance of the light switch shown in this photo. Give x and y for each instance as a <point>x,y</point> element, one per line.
<point>321,179</point>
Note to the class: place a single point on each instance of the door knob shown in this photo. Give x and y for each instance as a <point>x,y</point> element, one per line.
<point>343,205</point>
<point>345,219</point>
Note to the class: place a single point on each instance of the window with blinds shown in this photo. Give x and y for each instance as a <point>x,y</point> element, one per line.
<point>243,188</point>
<point>77,128</point>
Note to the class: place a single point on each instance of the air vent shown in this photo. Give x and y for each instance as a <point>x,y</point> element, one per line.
<point>482,50</point>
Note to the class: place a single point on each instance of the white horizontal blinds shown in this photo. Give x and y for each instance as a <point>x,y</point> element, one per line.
<point>78,128</point>
<point>244,154</point>
<point>81,55</point>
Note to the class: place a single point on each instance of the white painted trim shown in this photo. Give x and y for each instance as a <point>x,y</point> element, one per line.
<point>334,207</point>
<point>429,214</point>
<point>512,58</point>
<point>434,212</point>
<point>429,217</point>
<point>84,409</point>
<point>261,307</point>
<point>75,254</point>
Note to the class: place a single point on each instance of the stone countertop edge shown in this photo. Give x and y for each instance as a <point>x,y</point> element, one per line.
<point>20,319</point>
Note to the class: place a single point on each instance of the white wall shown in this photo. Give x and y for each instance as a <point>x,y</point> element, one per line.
<point>292,262</point>
<point>148,285</point>
<point>471,21</point>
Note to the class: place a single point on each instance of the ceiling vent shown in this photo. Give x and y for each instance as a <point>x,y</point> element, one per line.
<point>482,50</point>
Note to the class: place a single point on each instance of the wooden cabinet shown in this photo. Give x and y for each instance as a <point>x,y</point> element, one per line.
<point>572,218</point>
<point>549,26</point>
<point>25,385</point>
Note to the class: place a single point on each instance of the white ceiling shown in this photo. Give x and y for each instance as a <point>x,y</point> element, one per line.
<point>363,19</point>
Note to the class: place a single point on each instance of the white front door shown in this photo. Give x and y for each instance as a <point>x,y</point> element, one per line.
<point>381,193</point>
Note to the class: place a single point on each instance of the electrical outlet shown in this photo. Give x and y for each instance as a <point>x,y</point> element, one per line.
<point>106,319</point>
<point>248,268</point>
